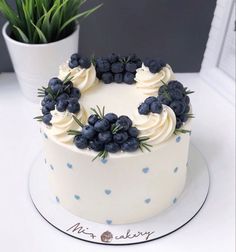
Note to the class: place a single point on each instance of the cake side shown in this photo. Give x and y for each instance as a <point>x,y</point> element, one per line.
<point>122,189</point>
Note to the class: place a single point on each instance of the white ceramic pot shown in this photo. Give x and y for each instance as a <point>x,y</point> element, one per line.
<point>35,64</point>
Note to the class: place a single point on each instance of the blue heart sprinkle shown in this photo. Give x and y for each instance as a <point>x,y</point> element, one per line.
<point>76,196</point>
<point>174,200</point>
<point>147,201</point>
<point>108,191</point>
<point>176,169</point>
<point>104,161</point>
<point>51,167</point>
<point>145,170</point>
<point>178,138</point>
<point>57,199</point>
<point>109,222</point>
<point>69,165</point>
<point>45,135</point>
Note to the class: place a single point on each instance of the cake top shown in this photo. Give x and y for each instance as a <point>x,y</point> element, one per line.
<point>114,103</point>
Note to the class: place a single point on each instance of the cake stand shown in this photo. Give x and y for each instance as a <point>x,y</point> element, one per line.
<point>179,214</point>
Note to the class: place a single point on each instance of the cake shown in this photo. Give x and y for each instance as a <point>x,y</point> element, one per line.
<point>116,134</point>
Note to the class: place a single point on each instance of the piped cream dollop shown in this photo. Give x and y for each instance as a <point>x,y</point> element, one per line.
<point>83,79</point>
<point>63,121</point>
<point>157,127</point>
<point>149,82</point>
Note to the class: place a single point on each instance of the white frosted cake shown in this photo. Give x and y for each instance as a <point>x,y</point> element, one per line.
<point>116,137</point>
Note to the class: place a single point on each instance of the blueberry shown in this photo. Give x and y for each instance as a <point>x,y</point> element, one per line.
<point>132,57</point>
<point>173,85</point>
<point>75,56</point>
<point>178,107</point>
<point>138,63</point>
<point>73,63</point>
<point>176,94</point>
<point>131,67</point>
<point>62,105</point>
<point>187,109</point>
<point>75,92</point>
<point>85,62</point>
<point>111,117</point>
<point>146,62</point>
<point>164,100</point>
<point>98,74</point>
<point>92,119</point>
<point>163,89</point>
<point>68,86</point>
<point>88,132</point>
<point>45,110</point>
<point>120,137</point>
<point>118,78</point>
<point>112,147</point>
<point>80,142</point>
<point>156,107</point>
<point>96,145</point>
<point>150,100</point>
<point>47,118</point>
<point>50,105</point>
<point>73,107</point>
<point>117,67</point>
<point>112,58</point>
<point>46,99</point>
<point>107,78</point>
<point>154,66</point>
<point>102,125</point>
<point>129,78</point>
<point>132,144</point>
<point>133,132</point>
<point>143,109</point>
<point>183,117</point>
<point>124,122</point>
<point>186,99</point>
<point>56,85</point>
<point>63,96</point>
<point>178,123</point>
<point>102,65</point>
<point>105,137</point>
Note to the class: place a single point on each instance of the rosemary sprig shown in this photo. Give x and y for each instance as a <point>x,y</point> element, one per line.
<point>115,128</point>
<point>143,144</point>
<point>73,132</point>
<point>78,121</point>
<point>99,112</point>
<point>102,154</point>
<point>163,82</point>
<point>38,118</point>
<point>183,131</point>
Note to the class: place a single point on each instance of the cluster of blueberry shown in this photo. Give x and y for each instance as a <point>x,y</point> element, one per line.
<point>174,95</point>
<point>154,65</point>
<point>60,95</point>
<point>76,60</point>
<point>115,68</point>
<point>108,133</point>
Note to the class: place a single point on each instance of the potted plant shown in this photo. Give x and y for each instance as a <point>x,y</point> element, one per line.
<point>40,34</point>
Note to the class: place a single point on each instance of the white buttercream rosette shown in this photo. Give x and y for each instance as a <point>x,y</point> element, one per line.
<point>151,82</point>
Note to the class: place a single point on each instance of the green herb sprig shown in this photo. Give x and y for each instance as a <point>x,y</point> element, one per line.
<point>44,21</point>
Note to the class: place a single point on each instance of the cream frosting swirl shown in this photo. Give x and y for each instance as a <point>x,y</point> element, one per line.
<point>149,82</point>
<point>83,79</point>
<point>157,127</point>
<point>63,121</point>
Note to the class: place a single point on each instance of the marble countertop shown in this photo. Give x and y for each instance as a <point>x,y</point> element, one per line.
<point>24,230</point>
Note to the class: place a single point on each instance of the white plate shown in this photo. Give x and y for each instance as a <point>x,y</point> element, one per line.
<point>179,214</point>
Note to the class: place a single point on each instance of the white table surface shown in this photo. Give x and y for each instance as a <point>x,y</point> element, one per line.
<point>22,229</point>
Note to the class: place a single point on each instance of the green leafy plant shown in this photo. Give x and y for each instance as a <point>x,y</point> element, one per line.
<point>43,21</point>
